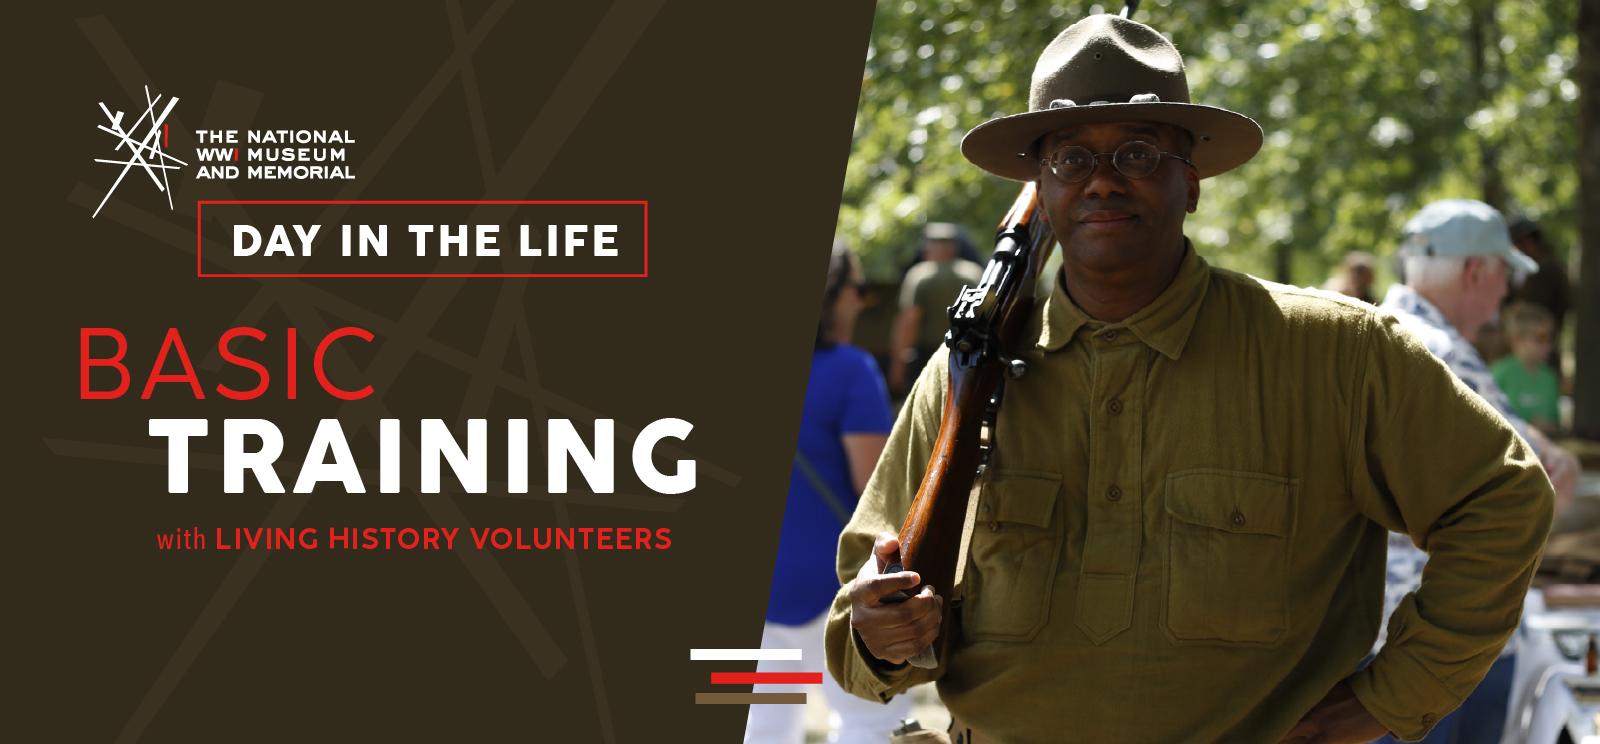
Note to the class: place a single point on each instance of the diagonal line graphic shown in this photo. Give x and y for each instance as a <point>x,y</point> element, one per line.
<point>509,302</point>
<point>137,162</point>
<point>165,187</point>
<point>149,109</point>
<point>124,66</point>
<point>268,294</point>
<point>601,56</point>
<point>136,147</point>
<point>284,510</point>
<point>469,86</point>
<point>580,599</point>
<point>126,136</point>
<point>506,599</point>
<point>155,129</point>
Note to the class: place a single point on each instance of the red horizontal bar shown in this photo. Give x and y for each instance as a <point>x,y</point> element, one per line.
<point>766,678</point>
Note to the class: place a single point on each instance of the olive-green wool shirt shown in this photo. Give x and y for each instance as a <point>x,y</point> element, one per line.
<point>1181,535</point>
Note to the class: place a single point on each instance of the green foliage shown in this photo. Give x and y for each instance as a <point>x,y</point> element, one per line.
<point>1372,108</point>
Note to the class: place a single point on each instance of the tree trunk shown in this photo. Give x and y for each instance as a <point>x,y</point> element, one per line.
<point>1283,262</point>
<point>1586,382</point>
<point>1485,32</point>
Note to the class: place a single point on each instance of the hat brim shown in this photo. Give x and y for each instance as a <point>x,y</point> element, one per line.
<point>1522,264</point>
<point>1223,140</point>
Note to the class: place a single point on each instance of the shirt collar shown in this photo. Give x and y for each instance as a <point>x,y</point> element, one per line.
<point>1403,297</point>
<point>1163,325</point>
<point>1454,348</point>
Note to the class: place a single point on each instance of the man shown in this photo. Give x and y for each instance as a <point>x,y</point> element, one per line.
<point>1355,277</point>
<point>1458,263</point>
<point>1181,532</point>
<point>925,294</point>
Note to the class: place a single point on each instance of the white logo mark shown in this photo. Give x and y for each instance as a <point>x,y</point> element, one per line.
<point>146,152</point>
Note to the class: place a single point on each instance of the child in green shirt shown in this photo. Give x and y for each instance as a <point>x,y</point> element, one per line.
<point>1523,376</point>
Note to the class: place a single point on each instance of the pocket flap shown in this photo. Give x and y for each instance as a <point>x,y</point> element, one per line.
<point>1022,499</point>
<point>1247,503</point>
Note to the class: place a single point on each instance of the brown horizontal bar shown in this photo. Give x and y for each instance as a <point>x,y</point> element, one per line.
<point>749,698</point>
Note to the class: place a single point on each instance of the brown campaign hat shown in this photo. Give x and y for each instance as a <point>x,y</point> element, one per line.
<point>1106,68</point>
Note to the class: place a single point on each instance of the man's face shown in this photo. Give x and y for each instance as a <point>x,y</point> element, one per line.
<point>940,250</point>
<point>1361,277</point>
<point>1485,283</point>
<point>1109,222</point>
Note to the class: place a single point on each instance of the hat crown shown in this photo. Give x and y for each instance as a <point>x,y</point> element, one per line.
<point>1463,227</point>
<point>1107,69</point>
<point>1457,227</point>
<point>1110,59</point>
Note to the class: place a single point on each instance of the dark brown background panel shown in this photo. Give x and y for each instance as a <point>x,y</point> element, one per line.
<point>734,128</point>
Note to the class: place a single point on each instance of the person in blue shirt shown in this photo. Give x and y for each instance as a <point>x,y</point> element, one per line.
<point>843,428</point>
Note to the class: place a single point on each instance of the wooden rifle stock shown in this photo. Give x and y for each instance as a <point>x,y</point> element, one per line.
<point>985,342</point>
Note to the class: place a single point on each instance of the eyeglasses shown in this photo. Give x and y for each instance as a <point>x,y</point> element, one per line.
<point>1134,159</point>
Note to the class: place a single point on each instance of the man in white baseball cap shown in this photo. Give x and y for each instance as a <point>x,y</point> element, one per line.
<point>1458,260</point>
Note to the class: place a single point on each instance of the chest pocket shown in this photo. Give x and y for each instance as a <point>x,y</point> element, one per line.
<point>1228,555</point>
<point>1015,548</point>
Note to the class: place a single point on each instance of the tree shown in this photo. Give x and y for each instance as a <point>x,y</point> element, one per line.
<point>1371,110</point>
<point>1586,386</point>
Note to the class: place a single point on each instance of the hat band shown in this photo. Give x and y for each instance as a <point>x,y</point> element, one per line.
<point>1100,100</point>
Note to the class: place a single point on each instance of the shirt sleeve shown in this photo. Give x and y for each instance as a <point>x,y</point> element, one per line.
<point>1434,461</point>
<point>1470,370</point>
<point>866,398</point>
<point>883,508</point>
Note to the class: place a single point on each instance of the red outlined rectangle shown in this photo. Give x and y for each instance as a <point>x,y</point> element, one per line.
<point>766,678</point>
<point>199,222</point>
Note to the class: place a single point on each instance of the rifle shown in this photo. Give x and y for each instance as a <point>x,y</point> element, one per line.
<point>986,326</point>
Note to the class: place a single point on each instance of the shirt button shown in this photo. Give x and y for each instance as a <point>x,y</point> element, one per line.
<point>1113,493</point>
<point>1238,519</point>
<point>1114,406</point>
<point>994,526</point>
<point>1109,335</point>
<point>1427,720</point>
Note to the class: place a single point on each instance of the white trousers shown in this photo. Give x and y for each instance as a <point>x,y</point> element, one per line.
<point>851,720</point>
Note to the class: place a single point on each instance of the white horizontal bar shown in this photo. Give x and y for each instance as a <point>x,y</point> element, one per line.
<point>744,654</point>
